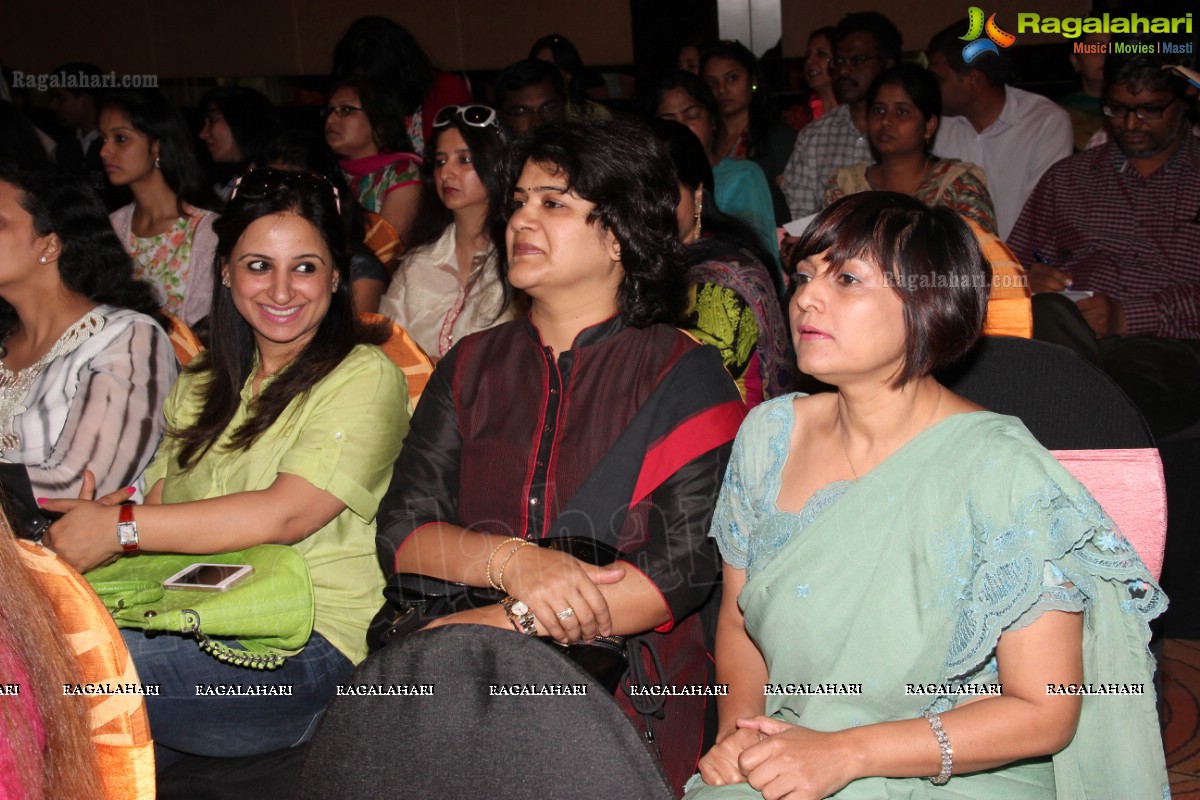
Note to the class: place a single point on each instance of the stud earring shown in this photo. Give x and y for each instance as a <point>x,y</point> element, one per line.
<point>43,260</point>
<point>157,163</point>
<point>225,281</point>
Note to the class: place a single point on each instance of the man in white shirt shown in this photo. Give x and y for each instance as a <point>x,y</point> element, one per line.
<point>1014,135</point>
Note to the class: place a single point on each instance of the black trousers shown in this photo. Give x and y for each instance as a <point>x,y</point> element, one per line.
<point>1161,376</point>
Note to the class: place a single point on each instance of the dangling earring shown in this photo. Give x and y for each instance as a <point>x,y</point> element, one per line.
<point>699,221</point>
<point>157,163</point>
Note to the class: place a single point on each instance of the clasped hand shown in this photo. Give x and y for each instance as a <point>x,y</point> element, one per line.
<point>550,582</point>
<point>780,760</point>
<point>86,536</point>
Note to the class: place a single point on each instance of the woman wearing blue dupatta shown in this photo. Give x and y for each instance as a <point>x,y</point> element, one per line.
<point>920,602</point>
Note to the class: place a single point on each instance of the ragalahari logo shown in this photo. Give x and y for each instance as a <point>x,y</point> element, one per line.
<point>996,38</point>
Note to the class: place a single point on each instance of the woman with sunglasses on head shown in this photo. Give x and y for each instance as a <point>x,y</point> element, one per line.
<point>748,127</point>
<point>904,107</point>
<point>168,228</point>
<point>366,129</point>
<point>541,427</point>
<point>303,151</point>
<point>85,357</point>
<point>283,432</point>
<point>448,284</point>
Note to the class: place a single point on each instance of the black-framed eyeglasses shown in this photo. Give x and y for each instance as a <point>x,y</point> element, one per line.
<point>477,116</point>
<point>858,62</point>
<point>263,182</point>
<point>343,110</point>
<point>1116,111</point>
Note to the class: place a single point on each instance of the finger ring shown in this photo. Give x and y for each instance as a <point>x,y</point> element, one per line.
<point>566,613</point>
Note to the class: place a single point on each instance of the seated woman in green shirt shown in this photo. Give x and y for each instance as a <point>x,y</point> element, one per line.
<point>284,432</point>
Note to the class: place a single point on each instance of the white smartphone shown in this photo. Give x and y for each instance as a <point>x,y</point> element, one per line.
<point>208,577</point>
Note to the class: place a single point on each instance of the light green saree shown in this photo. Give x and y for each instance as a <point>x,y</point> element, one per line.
<point>910,575</point>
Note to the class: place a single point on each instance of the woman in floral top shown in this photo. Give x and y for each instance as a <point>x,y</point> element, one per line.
<point>167,229</point>
<point>365,129</point>
<point>904,107</point>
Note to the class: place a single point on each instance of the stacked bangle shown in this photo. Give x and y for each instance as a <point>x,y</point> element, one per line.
<point>492,557</point>
<point>504,563</point>
<point>935,722</point>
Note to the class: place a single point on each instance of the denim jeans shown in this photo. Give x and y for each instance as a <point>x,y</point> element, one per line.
<point>189,717</point>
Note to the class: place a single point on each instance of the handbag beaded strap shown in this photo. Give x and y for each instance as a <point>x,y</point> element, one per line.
<point>229,655</point>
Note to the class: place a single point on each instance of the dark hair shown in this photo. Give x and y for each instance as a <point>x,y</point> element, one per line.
<point>566,58</point>
<point>918,83</point>
<point>488,149</point>
<point>887,35</point>
<point>75,68</point>
<point>517,76</point>
<point>385,116</point>
<point>229,361</point>
<point>379,49</point>
<point>694,171</point>
<point>762,115</point>
<point>927,255</point>
<point>151,114</point>
<point>694,86</point>
<point>91,260</point>
<point>305,151</point>
<point>996,67</point>
<point>1143,71</point>
<point>250,116</point>
<point>620,167</point>
<point>19,142</point>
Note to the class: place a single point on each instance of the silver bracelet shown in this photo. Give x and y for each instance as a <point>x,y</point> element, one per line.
<point>935,722</point>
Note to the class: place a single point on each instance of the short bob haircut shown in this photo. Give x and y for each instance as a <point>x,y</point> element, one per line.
<point>928,256</point>
<point>626,172</point>
<point>230,359</point>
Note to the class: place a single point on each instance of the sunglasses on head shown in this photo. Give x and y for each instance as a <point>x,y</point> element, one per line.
<point>262,182</point>
<point>476,116</point>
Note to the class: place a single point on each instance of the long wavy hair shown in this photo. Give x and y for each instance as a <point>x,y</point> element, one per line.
<point>91,261</point>
<point>32,641</point>
<point>626,172</point>
<point>229,361</point>
<point>151,114</point>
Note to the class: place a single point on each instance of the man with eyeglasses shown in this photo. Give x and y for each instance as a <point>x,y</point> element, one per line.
<point>1013,134</point>
<point>865,44</point>
<point>529,94</point>
<point>1119,225</point>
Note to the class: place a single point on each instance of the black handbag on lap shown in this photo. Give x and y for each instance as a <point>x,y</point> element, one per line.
<point>413,601</point>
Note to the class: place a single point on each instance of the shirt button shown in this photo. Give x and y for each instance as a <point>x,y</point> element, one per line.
<point>541,463</point>
<point>546,429</point>
<point>533,501</point>
<point>554,391</point>
<point>338,436</point>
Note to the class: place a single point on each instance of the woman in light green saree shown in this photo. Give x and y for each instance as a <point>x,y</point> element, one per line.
<point>914,588</point>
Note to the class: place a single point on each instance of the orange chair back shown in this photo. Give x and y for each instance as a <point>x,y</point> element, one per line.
<point>120,727</point>
<point>406,354</point>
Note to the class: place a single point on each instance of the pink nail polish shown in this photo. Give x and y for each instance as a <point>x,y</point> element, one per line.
<point>43,500</point>
<point>130,489</point>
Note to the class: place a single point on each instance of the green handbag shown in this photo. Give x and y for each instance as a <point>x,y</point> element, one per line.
<point>271,610</point>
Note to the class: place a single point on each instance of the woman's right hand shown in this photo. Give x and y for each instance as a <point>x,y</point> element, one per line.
<point>719,766</point>
<point>550,582</point>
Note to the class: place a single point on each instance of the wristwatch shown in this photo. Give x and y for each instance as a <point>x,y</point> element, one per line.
<point>127,533</point>
<point>520,616</point>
